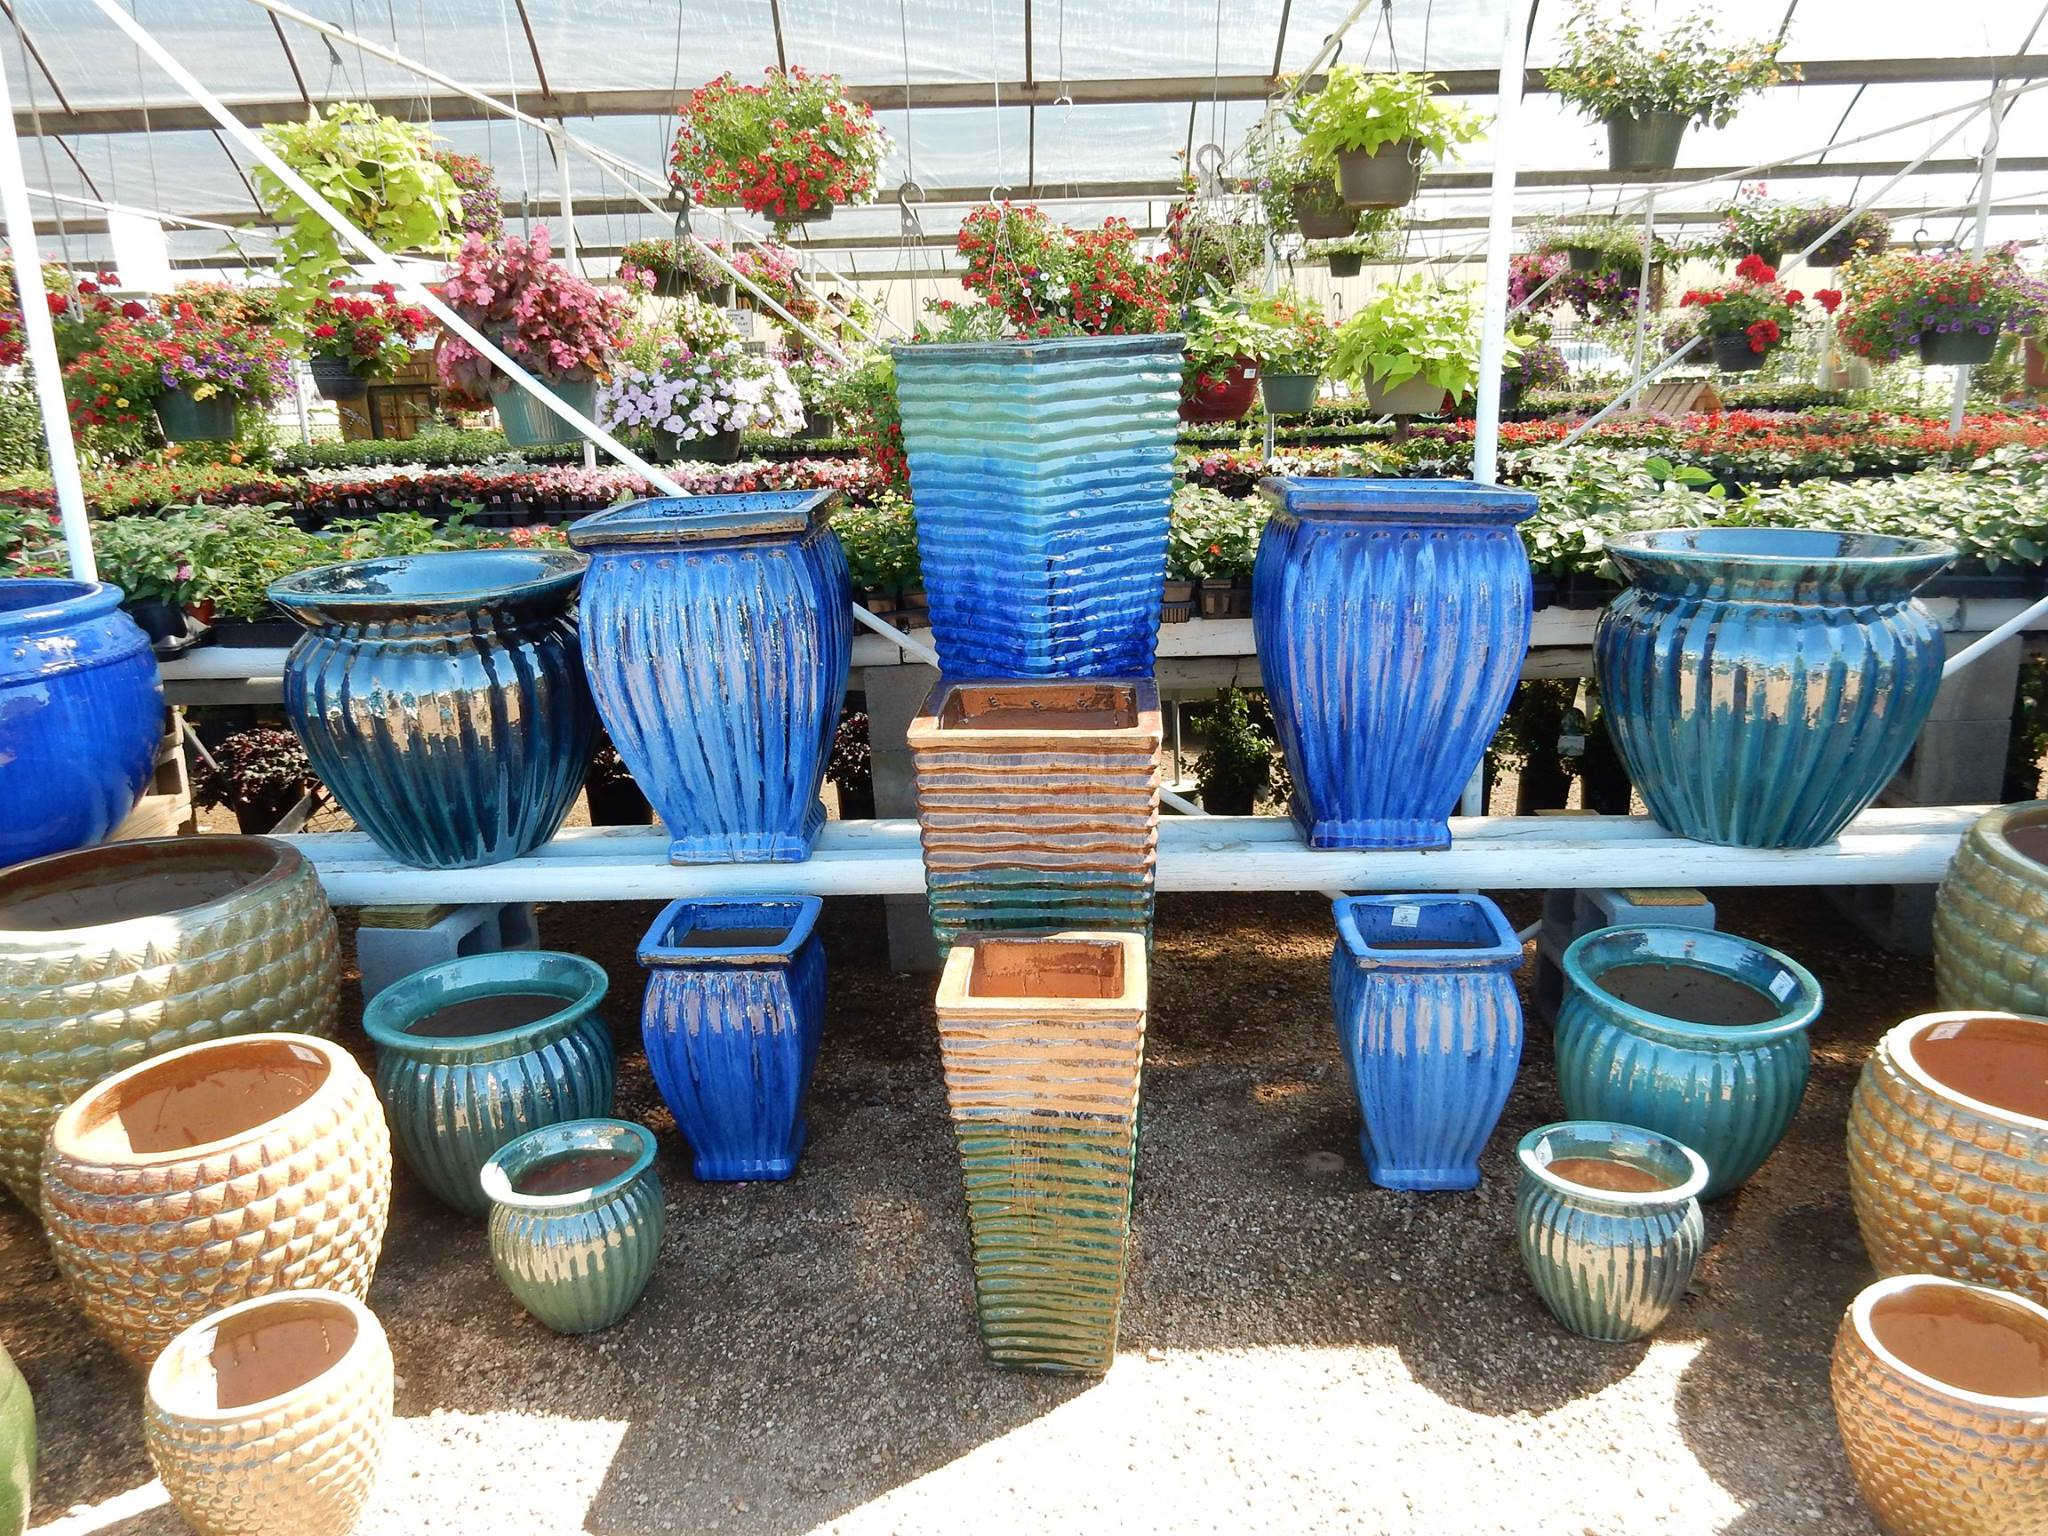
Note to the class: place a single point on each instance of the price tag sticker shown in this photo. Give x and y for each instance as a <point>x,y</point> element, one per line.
<point>1947,1031</point>
<point>1782,985</point>
<point>1542,1155</point>
<point>1409,916</point>
<point>1571,746</point>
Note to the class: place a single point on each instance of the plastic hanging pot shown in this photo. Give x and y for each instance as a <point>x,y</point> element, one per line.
<point>1387,177</point>
<point>1290,394</point>
<point>1316,219</point>
<point>1585,258</point>
<point>718,448</point>
<point>1222,396</point>
<point>188,420</point>
<point>1412,397</point>
<point>529,424</point>
<point>335,379</point>
<point>1732,354</point>
<point>1646,143</point>
<point>1967,343</point>
<point>1346,263</point>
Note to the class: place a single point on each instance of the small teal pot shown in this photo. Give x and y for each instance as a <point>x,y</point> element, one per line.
<point>1610,1264</point>
<point>454,1100</point>
<point>1726,1090</point>
<point>529,424</point>
<point>577,1260</point>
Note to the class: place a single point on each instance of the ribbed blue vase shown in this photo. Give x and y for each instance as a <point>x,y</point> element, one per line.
<point>1042,473</point>
<point>454,1100</point>
<point>1391,618</point>
<point>441,698</point>
<point>1728,1091</point>
<point>1764,684</point>
<point>720,630</point>
<point>1431,1023</point>
<point>733,1015</point>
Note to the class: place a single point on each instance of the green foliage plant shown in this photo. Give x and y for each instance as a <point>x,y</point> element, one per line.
<point>1363,111</point>
<point>1613,66</point>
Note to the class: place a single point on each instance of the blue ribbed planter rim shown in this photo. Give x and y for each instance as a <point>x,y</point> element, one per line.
<point>467,977</point>
<point>565,1136</point>
<point>442,582</point>
<point>1667,944</point>
<point>1446,503</point>
<point>695,519</point>
<point>655,951</point>
<point>1505,950</point>
<point>1050,349</point>
<point>37,602</point>
<point>1606,1136</point>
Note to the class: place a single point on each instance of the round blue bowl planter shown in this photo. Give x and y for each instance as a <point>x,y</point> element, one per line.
<point>1391,618</point>
<point>580,1259</point>
<point>1728,1091</point>
<point>1432,1025</point>
<point>732,1027</point>
<point>1764,684</point>
<point>1043,476</point>
<point>721,629</point>
<point>441,698</point>
<point>455,1100</point>
<point>81,714</point>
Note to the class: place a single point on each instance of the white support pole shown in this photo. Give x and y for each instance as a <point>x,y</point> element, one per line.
<point>1636,386</point>
<point>1987,168</point>
<point>1983,643</point>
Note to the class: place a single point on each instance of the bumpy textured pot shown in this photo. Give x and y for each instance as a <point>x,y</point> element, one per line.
<point>455,1100</point>
<point>529,424</point>
<point>215,1173</point>
<point>1221,397</point>
<point>1042,472</point>
<point>17,1448</point>
<point>1991,914</point>
<point>81,713</point>
<point>1387,177</point>
<point>1965,344</point>
<point>1431,1023</point>
<point>1948,1150</point>
<point>1763,684</point>
<point>1646,143</point>
<point>441,698</point>
<point>1609,1263</point>
<point>187,419</point>
<point>1038,804</point>
<point>1728,1091</point>
<point>1942,1402</point>
<point>1290,394</point>
<point>720,631</point>
<point>269,1418</point>
<point>732,1027</point>
<point>1391,618</point>
<point>112,955</point>
<point>1042,1040</point>
<point>579,1258</point>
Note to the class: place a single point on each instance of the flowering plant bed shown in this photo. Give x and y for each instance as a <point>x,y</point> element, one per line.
<point>1897,300</point>
<point>1046,279</point>
<point>789,149</point>
<point>374,337</point>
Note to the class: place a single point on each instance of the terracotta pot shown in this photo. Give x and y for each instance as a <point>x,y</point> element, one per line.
<point>17,1448</point>
<point>1991,914</point>
<point>212,1174</point>
<point>112,955</point>
<point>1941,1397</point>
<point>269,1418</point>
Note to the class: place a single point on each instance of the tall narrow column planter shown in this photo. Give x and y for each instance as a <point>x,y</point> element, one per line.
<point>1991,915</point>
<point>1391,618</point>
<point>1042,1041</point>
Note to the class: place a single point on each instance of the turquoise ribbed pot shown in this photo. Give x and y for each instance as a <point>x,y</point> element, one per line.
<point>577,1257</point>
<point>1609,1263</point>
<point>1637,1041</point>
<point>17,1448</point>
<point>453,1100</point>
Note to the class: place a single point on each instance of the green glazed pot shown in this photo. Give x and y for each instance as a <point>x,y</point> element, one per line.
<point>17,1448</point>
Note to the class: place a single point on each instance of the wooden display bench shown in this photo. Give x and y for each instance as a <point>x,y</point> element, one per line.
<point>165,809</point>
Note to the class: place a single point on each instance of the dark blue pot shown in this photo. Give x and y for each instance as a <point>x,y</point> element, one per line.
<point>81,714</point>
<point>720,630</point>
<point>1764,684</point>
<point>1391,618</point>
<point>1432,1025</point>
<point>732,1027</point>
<point>441,698</point>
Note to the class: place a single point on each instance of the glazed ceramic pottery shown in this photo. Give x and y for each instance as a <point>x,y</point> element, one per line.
<point>1038,804</point>
<point>111,955</point>
<point>1763,684</point>
<point>1991,915</point>
<point>720,630</point>
<point>1428,1015</point>
<point>1042,1040</point>
<point>1699,1035</point>
<point>269,1418</point>
<point>732,1019</point>
<point>1042,473</point>
<point>81,713</point>
<point>441,698</point>
<point>1941,1397</point>
<point>215,1173</point>
<point>1391,618</point>
<point>1610,1225</point>
<point>576,1220</point>
<point>476,1051</point>
<point>17,1448</point>
<point>1948,1150</point>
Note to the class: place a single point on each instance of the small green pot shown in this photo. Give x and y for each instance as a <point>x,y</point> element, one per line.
<point>529,424</point>
<point>186,420</point>
<point>17,1448</point>
<point>1290,394</point>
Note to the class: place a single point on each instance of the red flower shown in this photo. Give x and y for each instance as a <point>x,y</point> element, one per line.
<point>1828,299</point>
<point>134,310</point>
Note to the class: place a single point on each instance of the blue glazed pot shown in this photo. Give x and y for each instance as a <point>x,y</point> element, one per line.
<point>81,713</point>
<point>1609,1263</point>
<point>441,698</point>
<point>1726,1090</point>
<point>1432,1025</point>
<point>720,629</point>
<point>732,1025</point>
<point>1763,684</point>
<point>1391,618</point>
<point>1043,474</point>
<point>453,1100</point>
<point>579,1258</point>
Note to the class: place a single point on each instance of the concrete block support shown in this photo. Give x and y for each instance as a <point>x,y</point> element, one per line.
<point>895,695</point>
<point>393,942</point>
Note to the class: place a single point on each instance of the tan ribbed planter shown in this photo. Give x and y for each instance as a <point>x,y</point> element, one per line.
<point>1941,1396</point>
<point>212,1174</point>
<point>114,954</point>
<point>269,1418</point>
<point>1948,1150</point>
<point>1991,914</point>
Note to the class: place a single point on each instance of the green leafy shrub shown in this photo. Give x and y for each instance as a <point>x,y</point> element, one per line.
<point>1364,111</point>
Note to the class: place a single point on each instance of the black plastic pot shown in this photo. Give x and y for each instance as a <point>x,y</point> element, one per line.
<point>334,379</point>
<point>1968,345</point>
<point>672,285</point>
<point>257,634</point>
<point>1578,590</point>
<point>1321,222</point>
<point>719,448</point>
<point>1542,592</point>
<point>1346,263</point>
<point>1970,578</point>
<point>1177,604</point>
<point>1732,354</point>
<point>1585,258</point>
<point>157,617</point>
<point>1388,177</point>
<point>857,801</point>
<point>1646,143</point>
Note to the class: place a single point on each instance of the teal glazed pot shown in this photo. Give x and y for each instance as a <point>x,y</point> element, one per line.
<point>1698,1035</point>
<point>454,1099</point>
<point>1610,1224</point>
<point>17,1448</point>
<point>527,423</point>
<point>576,1220</point>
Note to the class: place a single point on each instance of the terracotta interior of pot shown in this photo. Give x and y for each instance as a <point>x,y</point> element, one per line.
<point>2000,1062</point>
<point>486,1013</point>
<point>2029,839</point>
<point>1605,1165</point>
<point>1414,925</point>
<point>714,926</point>
<point>1040,707</point>
<point>1052,968</point>
<point>1611,1175</point>
<point>206,1096</point>
<point>1689,992</point>
<point>1969,1340</point>
<point>257,1355</point>
<point>568,1173</point>
<point>115,885</point>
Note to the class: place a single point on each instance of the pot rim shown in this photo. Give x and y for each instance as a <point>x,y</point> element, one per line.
<point>530,575</point>
<point>1906,1035</point>
<point>928,733</point>
<point>66,602</point>
<point>1883,1290</point>
<point>208,1327</point>
<point>653,953</point>
<point>386,1016</point>
<point>1505,950</point>
<point>1445,503</point>
<point>497,1183</point>
<point>956,998</point>
<point>1799,1009</point>
<point>1615,1131</point>
<point>285,863</point>
<point>663,521</point>
<point>1046,349</point>
<point>2025,813</point>
<point>1751,547</point>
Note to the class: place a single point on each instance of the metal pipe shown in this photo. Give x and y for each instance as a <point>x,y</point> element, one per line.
<point>1989,169</point>
<point>1984,644</point>
<point>1500,238</point>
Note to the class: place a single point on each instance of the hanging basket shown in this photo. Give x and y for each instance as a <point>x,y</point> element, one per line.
<point>1316,219</point>
<point>1221,397</point>
<point>187,420</point>
<point>1346,263</point>
<point>335,379</point>
<point>1413,397</point>
<point>1970,344</point>
<point>1585,258</point>
<point>1388,177</point>
<point>1290,394</point>
<point>719,448</point>
<point>1646,143</point>
<point>1732,354</point>
<point>529,424</point>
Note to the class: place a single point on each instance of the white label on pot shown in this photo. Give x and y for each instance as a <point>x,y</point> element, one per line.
<point>1782,985</point>
<point>1407,917</point>
<point>1542,1155</point>
<point>1570,745</point>
<point>1947,1031</point>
